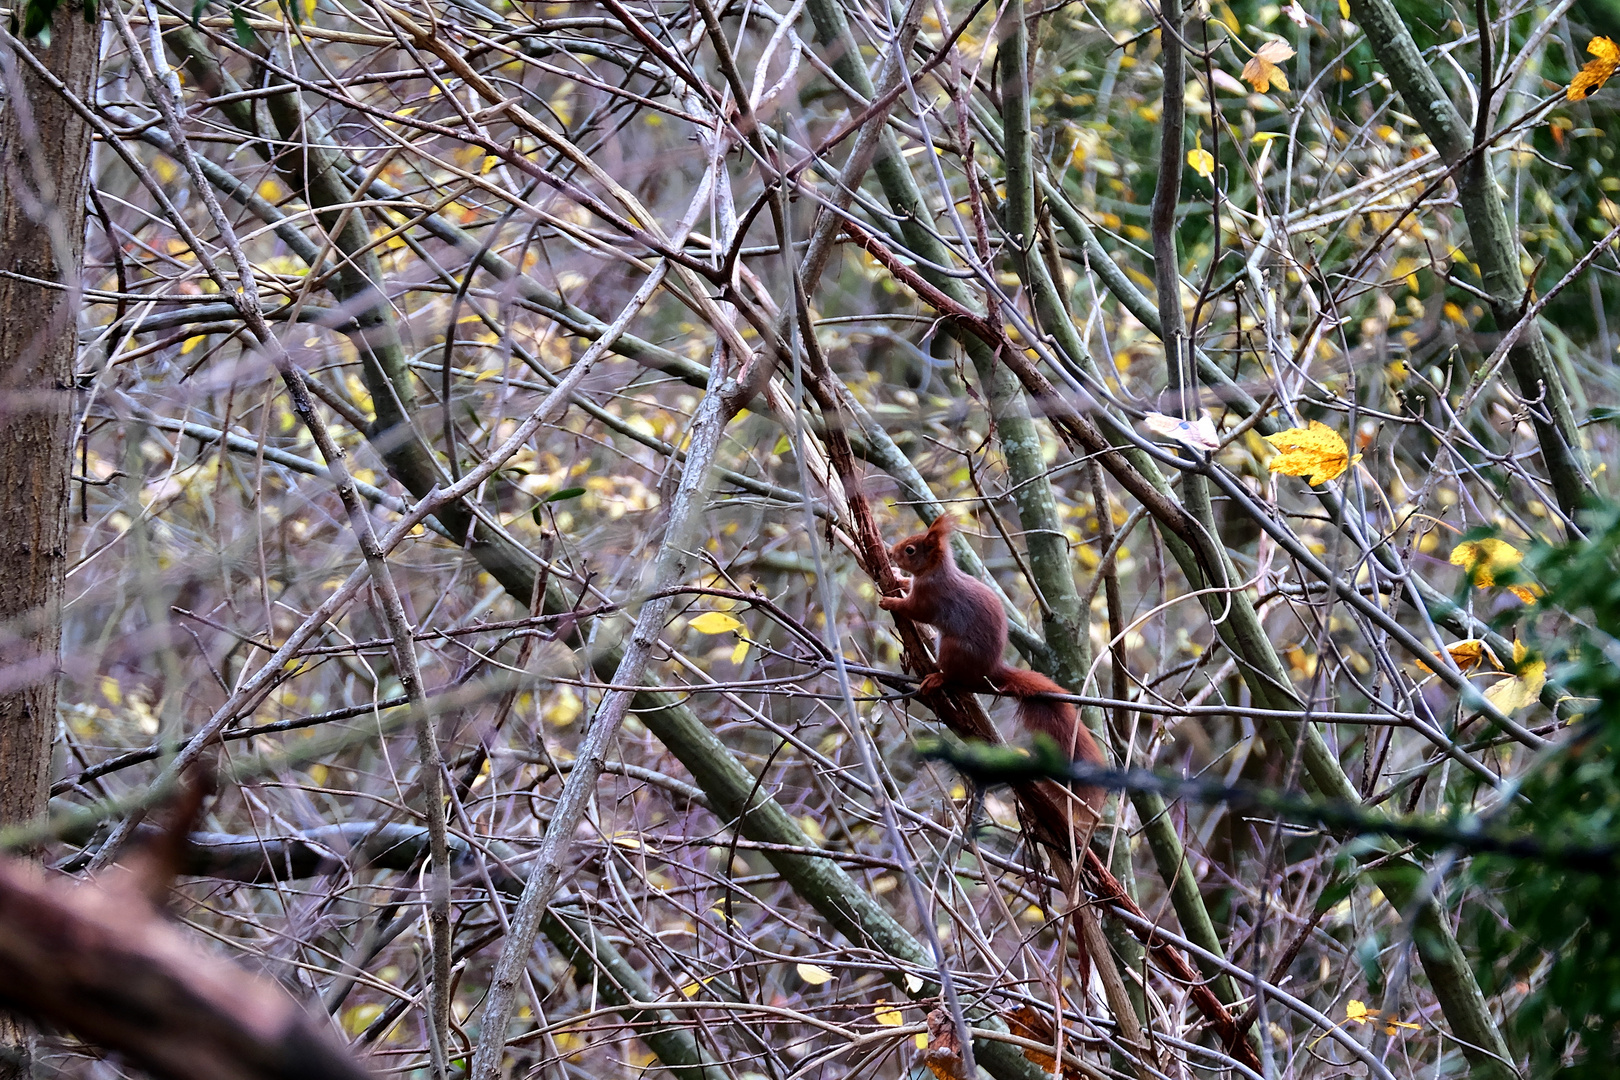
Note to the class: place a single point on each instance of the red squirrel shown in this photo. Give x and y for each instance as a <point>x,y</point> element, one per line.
<point>973,635</point>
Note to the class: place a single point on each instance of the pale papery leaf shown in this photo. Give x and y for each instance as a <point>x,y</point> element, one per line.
<point>812,974</point>
<point>1198,434</point>
<point>1263,68</point>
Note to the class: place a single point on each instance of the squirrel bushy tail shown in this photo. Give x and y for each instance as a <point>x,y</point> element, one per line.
<point>1038,711</point>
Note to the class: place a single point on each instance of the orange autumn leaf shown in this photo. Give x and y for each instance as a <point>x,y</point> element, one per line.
<point>1316,452</point>
<point>1027,1023</point>
<point>1596,72</point>
<point>1467,655</point>
<point>1262,69</point>
<point>942,1049</point>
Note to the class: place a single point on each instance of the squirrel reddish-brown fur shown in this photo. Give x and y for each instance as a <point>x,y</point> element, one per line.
<point>973,635</point>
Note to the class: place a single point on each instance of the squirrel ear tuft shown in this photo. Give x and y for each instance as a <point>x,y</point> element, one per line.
<point>942,525</point>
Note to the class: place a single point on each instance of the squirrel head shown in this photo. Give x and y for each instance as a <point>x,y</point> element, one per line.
<point>927,551</point>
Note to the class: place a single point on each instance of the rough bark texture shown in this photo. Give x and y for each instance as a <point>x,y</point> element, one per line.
<point>44,158</point>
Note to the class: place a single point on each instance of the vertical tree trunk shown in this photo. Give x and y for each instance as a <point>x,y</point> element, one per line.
<point>44,159</point>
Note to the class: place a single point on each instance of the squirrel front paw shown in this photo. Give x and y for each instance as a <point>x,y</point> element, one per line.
<point>890,603</point>
<point>931,682</point>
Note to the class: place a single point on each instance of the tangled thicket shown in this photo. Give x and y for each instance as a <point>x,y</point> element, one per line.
<point>689,306</point>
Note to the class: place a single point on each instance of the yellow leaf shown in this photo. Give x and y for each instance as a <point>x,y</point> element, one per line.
<point>565,707</point>
<point>812,829</point>
<point>715,622</point>
<point>357,1019</point>
<point>1202,162</point>
<point>1344,8</point>
<point>812,974</point>
<point>1356,1012</point>
<point>1484,558</point>
<point>1527,593</point>
<point>887,1014</point>
<point>1523,688</point>
<point>740,653</point>
<point>1262,70</point>
<point>490,161</point>
<point>1315,452</point>
<point>1591,78</point>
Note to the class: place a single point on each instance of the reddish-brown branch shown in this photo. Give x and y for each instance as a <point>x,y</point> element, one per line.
<point>1109,891</point>
<point>1073,426</point>
<point>99,960</point>
<point>1044,804</point>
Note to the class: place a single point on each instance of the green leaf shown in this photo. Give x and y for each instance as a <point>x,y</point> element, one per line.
<point>196,13</point>
<point>1366,954</point>
<point>36,22</point>
<point>1603,414</point>
<point>565,493</point>
<point>1335,892</point>
<point>244,32</point>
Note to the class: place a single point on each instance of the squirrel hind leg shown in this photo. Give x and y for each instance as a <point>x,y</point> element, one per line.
<point>964,666</point>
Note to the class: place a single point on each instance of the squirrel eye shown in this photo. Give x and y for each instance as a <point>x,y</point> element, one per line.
<point>911,549</point>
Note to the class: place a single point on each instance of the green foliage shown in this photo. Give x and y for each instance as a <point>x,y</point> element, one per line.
<point>35,23</point>
<point>1551,937</point>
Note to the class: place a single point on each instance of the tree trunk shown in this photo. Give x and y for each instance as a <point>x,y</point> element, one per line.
<point>44,159</point>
